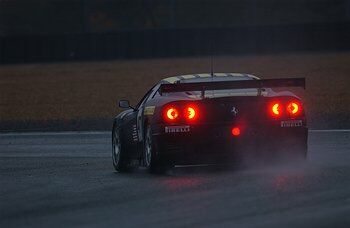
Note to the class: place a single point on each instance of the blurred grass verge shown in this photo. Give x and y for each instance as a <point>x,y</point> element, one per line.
<point>83,95</point>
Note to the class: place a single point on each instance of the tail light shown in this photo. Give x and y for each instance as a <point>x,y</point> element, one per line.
<point>275,109</point>
<point>177,113</point>
<point>171,114</point>
<point>293,108</point>
<point>191,113</point>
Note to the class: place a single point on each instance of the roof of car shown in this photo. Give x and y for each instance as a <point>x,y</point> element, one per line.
<point>207,77</point>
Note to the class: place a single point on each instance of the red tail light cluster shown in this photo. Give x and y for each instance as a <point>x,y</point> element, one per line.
<point>177,113</point>
<point>172,113</point>
<point>191,113</point>
<point>291,108</point>
<point>275,109</point>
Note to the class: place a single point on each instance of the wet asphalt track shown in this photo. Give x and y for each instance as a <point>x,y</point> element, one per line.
<point>67,180</point>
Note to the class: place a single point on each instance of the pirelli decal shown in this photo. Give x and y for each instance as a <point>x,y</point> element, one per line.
<point>292,123</point>
<point>177,129</point>
<point>149,110</point>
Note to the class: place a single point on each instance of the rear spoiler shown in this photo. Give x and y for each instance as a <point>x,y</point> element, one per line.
<point>244,84</point>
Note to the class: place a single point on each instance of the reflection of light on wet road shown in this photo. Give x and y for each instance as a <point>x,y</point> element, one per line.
<point>179,183</point>
<point>289,181</point>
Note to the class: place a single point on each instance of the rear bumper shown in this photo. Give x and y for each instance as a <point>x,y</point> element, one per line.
<point>215,143</point>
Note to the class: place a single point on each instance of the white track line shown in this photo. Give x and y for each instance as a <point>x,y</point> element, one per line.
<point>330,130</point>
<point>108,132</point>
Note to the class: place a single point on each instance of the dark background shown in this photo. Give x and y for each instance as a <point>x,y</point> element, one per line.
<point>65,63</point>
<point>69,30</point>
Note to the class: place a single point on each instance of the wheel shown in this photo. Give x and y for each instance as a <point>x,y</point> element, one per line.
<point>120,162</point>
<point>152,161</point>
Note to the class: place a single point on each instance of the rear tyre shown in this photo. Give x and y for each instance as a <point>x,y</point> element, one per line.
<point>120,162</point>
<point>151,158</point>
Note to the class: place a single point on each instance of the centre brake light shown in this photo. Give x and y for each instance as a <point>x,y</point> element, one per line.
<point>236,131</point>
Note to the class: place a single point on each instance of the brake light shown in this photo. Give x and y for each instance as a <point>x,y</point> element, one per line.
<point>236,131</point>
<point>191,113</point>
<point>293,108</point>
<point>289,108</point>
<point>172,113</point>
<point>181,112</point>
<point>275,109</point>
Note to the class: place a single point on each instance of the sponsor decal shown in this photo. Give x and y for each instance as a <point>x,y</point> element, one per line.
<point>176,129</point>
<point>149,110</point>
<point>292,123</point>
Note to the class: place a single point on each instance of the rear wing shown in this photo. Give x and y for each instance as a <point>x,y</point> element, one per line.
<point>222,85</point>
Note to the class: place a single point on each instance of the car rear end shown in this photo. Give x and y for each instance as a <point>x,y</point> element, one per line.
<point>232,123</point>
<point>224,129</point>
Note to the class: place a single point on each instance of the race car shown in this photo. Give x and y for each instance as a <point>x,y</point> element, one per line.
<point>210,119</point>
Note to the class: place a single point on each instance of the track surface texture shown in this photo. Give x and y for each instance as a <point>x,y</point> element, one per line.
<point>67,180</point>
